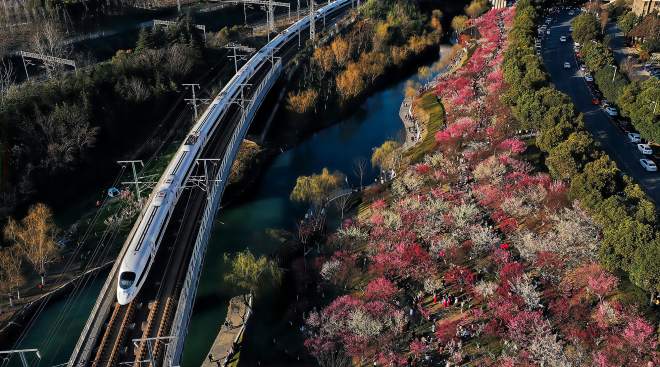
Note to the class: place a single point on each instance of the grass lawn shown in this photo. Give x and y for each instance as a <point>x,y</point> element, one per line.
<point>433,117</point>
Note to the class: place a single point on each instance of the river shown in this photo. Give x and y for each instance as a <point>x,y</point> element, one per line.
<point>246,225</point>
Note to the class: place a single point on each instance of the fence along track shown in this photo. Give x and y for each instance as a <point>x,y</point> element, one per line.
<point>163,329</point>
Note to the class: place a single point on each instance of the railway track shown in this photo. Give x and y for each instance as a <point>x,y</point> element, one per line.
<point>155,306</point>
<point>114,335</point>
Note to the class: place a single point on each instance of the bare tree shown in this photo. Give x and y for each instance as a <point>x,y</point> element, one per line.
<point>341,202</point>
<point>35,237</point>
<point>10,270</point>
<point>332,357</point>
<point>360,168</point>
<point>49,39</point>
<point>6,76</point>
<point>67,133</point>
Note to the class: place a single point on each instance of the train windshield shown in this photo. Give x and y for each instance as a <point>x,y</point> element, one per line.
<point>126,279</point>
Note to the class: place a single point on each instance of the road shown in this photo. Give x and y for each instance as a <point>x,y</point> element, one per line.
<point>612,140</point>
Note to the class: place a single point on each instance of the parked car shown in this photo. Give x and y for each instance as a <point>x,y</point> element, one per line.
<point>611,111</point>
<point>595,101</point>
<point>576,44</point>
<point>588,78</point>
<point>634,137</point>
<point>645,149</point>
<point>562,39</point>
<point>583,68</point>
<point>648,165</point>
<point>547,32</point>
<point>567,65</point>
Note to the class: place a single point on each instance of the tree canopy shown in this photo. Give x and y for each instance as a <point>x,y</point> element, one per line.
<point>248,273</point>
<point>34,235</point>
<point>317,188</point>
<point>586,28</point>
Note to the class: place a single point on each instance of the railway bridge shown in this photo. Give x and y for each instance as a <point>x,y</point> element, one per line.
<point>151,329</point>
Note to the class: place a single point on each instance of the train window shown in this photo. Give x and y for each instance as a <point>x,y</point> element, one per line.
<point>178,164</point>
<point>146,227</point>
<point>126,279</point>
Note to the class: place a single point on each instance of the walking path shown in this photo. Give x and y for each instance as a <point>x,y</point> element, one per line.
<point>225,346</point>
<point>410,122</point>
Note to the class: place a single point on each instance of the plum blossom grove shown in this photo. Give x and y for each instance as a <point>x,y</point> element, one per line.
<point>472,256</point>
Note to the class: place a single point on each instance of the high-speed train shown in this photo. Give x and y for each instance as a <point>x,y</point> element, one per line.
<point>148,230</point>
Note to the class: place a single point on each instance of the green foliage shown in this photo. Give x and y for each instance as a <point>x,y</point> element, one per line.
<point>611,89</point>
<point>251,274</point>
<point>56,126</point>
<point>621,242</point>
<point>596,55</point>
<point>523,71</point>
<point>476,8</point>
<point>430,106</point>
<point>376,9</point>
<point>627,22</point>
<point>585,28</point>
<point>600,179</point>
<point>630,238</point>
<point>317,188</point>
<point>405,17</point>
<point>637,102</point>
<point>645,268</point>
<point>221,38</point>
<point>569,157</point>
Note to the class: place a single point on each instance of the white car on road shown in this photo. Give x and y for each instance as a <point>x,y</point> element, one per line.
<point>645,149</point>
<point>562,39</point>
<point>648,165</point>
<point>634,137</point>
<point>588,78</point>
<point>611,111</point>
<point>567,65</point>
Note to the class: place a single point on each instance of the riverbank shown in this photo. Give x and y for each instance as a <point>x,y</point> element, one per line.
<point>292,151</point>
<point>452,59</point>
<point>265,221</point>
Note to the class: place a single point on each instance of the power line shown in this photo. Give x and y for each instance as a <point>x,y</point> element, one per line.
<point>238,47</point>
<point>194,100</point>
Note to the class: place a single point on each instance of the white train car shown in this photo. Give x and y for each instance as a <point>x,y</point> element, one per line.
<point>151,225</point>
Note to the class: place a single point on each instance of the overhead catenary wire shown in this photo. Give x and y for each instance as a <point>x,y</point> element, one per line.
<point>62,316</point>
<point>100,253</point>
<point>67,268</point>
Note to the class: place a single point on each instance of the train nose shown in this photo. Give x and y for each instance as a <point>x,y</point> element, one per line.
<point>124,296</point>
